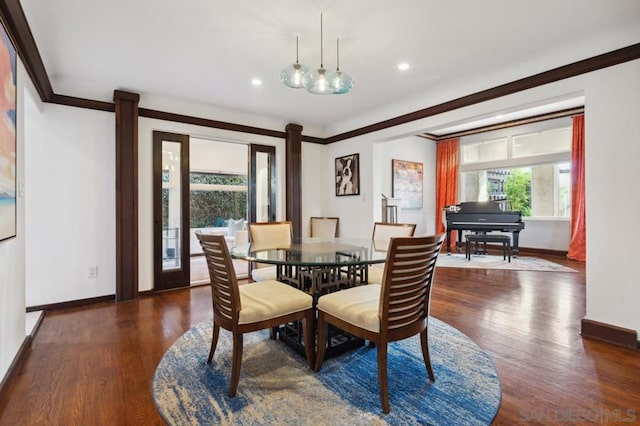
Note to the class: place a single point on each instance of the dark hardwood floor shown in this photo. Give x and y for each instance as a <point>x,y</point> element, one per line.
<point>94,365</point>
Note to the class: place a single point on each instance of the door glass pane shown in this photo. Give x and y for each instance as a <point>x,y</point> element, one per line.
<point>171,207</point>
<point>263,187</point>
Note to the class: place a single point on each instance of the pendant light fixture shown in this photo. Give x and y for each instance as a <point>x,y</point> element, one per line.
<point>342,82</point>
<point>292,75</point>
<point>319,81</point>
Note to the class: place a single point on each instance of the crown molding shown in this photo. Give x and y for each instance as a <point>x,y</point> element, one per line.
<point>504,125</point>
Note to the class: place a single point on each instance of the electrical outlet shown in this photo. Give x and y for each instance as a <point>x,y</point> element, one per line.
<point>93,271</point>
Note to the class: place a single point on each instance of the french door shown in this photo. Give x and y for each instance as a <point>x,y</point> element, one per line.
<point>170,211</point>
<point>262,183</point>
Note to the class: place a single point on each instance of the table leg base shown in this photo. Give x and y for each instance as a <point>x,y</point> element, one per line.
<point>339,341</point>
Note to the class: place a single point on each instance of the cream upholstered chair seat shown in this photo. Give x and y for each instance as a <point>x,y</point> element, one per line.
<point>250,307</point>
<point>358,306</point>
<point>273,234</point>
<point>394,310</point>
<point>269,299</point>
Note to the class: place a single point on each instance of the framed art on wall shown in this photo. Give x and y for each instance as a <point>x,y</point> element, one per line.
<point>348,175</point>
<point>406,183</point>
<point>7,137</point>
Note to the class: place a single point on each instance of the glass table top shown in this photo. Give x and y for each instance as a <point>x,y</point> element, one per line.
<point>314,251</point>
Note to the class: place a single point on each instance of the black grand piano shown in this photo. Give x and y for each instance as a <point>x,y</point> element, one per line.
<point>482,216</point>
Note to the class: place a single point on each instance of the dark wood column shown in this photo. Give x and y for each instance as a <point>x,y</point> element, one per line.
<point>293,177</point>
<point>126,195</point>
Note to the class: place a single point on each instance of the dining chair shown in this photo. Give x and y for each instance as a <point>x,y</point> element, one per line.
<point>273,234</point>
<point>394,310</point>
<point>324,227</point>
<point>382,232</point>
<point>250,307</point>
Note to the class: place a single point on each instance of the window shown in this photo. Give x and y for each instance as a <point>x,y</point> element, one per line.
<point>530,173</point>
<point>217,197</point>
<point>550,141</point>
<point>484,151</point>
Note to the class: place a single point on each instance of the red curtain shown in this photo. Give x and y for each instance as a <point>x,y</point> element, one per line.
<point>578,241</point>
<point>446,179</point>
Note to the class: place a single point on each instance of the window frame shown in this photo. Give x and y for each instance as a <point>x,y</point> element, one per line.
<point>514,162</point>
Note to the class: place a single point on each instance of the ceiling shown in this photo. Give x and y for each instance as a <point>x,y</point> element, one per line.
<point>208,52</point>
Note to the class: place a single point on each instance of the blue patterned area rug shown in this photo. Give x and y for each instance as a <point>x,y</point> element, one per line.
<point>277,387</point>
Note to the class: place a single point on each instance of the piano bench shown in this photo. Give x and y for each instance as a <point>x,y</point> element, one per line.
<point>489,238</point>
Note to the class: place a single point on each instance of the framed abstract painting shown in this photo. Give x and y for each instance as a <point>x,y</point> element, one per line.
<point>7,137</point>
<point>406,183</point>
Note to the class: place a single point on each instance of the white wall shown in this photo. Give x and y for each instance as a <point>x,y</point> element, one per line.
<point>215,156</point>
<point>416,149</point>
<point>146,127</point>
<point>356,212</point>
<point>70,202</point>
<point>316,171</point>
<point>12,261</point>
<point>612,129</point>
<point>546,233</point>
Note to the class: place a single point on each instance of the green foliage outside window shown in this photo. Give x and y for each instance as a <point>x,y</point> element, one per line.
<point>207,206</point>
<point>218,179</point>
<point>517,186</point>
<point>165,208</point>
<point>211,208</point>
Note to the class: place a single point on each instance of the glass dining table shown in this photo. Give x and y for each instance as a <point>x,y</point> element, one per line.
<point>317,266</point>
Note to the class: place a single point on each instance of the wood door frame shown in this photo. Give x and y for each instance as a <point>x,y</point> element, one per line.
<point>271,151</point>
<point>166,280</point>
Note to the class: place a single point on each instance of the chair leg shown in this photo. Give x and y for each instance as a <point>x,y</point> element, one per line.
<point>383,383</point>
<point>309,339</point>
<point>214,341</point>
<point>424,339</point>
<point>323,330</point>
<point>236,363</point>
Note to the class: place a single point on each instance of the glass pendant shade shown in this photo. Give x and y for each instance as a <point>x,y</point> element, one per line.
<point>319,81</point>
<point>292,75</point>
<point>342,83</point>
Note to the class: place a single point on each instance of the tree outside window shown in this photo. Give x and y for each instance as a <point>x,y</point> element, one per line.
<point>517,186</point>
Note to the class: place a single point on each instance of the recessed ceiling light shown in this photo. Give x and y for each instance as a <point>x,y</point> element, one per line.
<point>256,82</point>
<point>403,66</point>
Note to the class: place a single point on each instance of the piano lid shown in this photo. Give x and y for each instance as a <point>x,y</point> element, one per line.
<point>480,207</point>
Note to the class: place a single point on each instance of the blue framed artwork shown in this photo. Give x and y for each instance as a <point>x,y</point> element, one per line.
<point>7,137</point>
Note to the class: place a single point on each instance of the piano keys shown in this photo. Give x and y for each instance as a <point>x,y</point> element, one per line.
<point>482,216</point>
